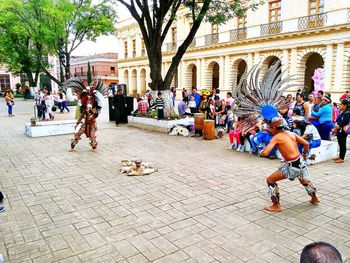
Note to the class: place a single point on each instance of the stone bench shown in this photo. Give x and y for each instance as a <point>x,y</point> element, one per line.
<point>157,125</point>
<point>328,150</point>
<point>49,128</point>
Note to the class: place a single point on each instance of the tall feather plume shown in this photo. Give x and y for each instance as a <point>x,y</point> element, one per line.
<point>258,97</point>
<point>77,86</point>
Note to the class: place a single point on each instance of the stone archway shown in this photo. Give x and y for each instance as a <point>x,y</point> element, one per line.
<point>238,69</point>
<point>191,76</point>
<point>133,82</point>
<point>142,88</point>
<point>311,61</point>
<point>214,75</point>
<point>267,63</point>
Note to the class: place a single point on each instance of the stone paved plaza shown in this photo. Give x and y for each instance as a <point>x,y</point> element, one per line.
<point>203,205</point>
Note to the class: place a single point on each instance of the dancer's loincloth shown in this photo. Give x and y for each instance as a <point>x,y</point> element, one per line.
<point>295,169</point>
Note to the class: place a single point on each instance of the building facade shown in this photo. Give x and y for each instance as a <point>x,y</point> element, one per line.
<point>8,80</point>
<point>302,34</point>
<point>103,67</point>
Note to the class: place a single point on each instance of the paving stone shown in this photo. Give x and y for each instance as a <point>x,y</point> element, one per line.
<point>77,207</point>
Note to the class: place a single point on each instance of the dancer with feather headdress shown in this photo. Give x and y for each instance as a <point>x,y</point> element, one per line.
<point>92,102</point>
<point>261,98</point>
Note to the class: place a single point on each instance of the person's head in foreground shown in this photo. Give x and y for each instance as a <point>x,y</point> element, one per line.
<point>320,252</point>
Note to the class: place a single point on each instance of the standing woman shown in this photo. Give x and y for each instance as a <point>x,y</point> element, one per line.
<point>48,104</point>
<point>325,118</point>
<point>341,128</point>
<point>9,102</point>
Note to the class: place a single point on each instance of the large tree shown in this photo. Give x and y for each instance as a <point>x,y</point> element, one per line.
<point>58,27</point>
<point>16,48</point>
<point>155,18</point>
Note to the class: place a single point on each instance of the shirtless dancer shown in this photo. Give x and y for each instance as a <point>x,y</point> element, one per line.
<point>294,167</point>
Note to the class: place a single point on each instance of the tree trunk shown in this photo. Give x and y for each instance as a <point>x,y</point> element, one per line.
<point>31,81</point>
<point>67,68</point>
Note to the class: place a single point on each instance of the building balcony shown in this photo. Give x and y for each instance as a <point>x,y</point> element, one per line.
<point>314,21</point>
<point>237,34</point>
<point>171,46</point>
<point>211,39</point>
<point>292,26</point>
<point>94,74</point>
<point>193,43</point>
<point>271,28</point>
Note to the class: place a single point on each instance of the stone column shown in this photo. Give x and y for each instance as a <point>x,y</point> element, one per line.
<point>250,61</point>
<point>293,62</point>
<point>256,58</point>
<point>203,80</point>
<point>221,72</point>
<point>339,67</point>
<point>199,73</point>
<point>285,61</point>
<point>329,66</point>
<point>138,80</point>
<point>227,73</point>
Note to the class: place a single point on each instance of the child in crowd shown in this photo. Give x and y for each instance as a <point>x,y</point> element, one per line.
<point>230,118</point>
<point>160,106</point>
<point>192,105</point>
<point>335,112</point>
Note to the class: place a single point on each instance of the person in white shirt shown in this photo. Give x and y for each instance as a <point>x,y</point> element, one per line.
<point>311,101</point>
<point>192,105</point>
<point>48,105</point>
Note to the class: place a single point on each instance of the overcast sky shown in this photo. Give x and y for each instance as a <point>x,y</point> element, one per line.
<point>103,44</point>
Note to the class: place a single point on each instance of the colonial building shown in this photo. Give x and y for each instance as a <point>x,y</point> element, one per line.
<point>8,80</point>
<point>302,34</point>
<point>103,67</point>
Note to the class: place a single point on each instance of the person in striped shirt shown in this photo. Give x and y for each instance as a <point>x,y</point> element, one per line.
<point>159,102</point>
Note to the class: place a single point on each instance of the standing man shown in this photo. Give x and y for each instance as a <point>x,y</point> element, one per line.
<point>120,108</point>
<point>197,97</point>
<point>294,167</point>
<point>311,103</point>
<point>9,99</point>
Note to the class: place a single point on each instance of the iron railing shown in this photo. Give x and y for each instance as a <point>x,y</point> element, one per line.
<point>211,39</point>
<point>237,34</point>
<point>313,21</point>
<point>171,46</point>
<point>193,43</point>
<point>271,28</point>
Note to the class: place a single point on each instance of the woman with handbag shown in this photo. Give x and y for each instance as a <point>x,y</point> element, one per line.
<point>342,128</point>
<point>9,102</point>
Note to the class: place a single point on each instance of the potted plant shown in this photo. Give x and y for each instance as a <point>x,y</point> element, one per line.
<point>134,93</point>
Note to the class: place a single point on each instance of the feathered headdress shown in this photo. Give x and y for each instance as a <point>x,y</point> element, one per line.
<point>260,96</point>
<point>77,86</point>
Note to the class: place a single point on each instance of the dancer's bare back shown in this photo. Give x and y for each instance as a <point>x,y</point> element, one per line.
<point>287,143</point>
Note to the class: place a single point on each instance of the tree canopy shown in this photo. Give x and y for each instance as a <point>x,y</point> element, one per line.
<point>54,25</point>
<point>156,17</point>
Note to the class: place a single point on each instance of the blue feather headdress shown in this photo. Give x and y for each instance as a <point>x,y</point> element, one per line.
<point>261,96</point>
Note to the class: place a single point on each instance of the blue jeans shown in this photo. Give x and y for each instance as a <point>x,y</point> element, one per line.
<point>9,108</point>
<point>256,139</point>
<point>313,144</point>
<point>325,130</point>
<point>64,106</point>
<point>160,114</point>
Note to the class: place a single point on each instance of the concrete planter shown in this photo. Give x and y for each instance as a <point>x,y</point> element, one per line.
<point>157,125</point>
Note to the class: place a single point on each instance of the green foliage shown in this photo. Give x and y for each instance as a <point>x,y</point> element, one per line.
<point>42,23</point>
<point>88,74</point>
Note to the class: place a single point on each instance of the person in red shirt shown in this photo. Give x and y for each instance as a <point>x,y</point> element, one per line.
<point>142,106</point>
<point>345,95</point>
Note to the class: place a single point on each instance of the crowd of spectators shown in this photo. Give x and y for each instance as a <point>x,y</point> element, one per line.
<point>314,120</point>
